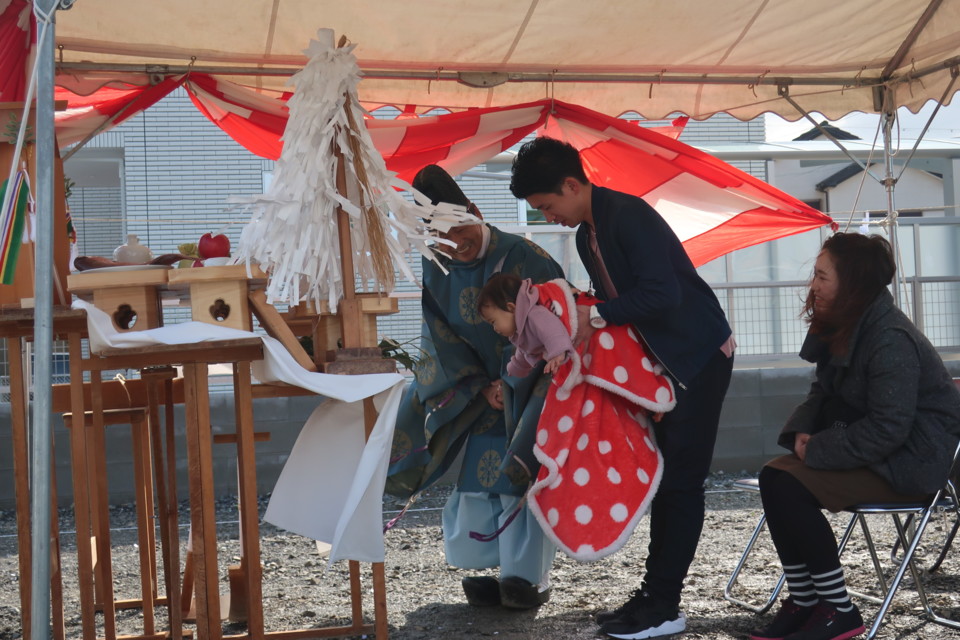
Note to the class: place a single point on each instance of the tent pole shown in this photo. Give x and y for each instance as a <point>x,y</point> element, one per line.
<point>40,515</point>
<point>889,183</point>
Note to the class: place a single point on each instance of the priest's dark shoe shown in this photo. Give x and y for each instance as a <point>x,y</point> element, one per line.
<point>481,591</point>
<point>517,593</point>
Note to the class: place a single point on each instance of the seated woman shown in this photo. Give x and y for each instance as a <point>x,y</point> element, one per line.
<point>880,424</point>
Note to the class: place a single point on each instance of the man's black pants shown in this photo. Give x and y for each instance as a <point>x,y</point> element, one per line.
<point>686,437</point>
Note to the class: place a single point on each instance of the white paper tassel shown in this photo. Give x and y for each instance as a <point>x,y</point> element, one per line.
<point>293,232</point>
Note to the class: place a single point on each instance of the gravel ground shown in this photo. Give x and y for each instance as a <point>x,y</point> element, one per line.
<point>424,598</point>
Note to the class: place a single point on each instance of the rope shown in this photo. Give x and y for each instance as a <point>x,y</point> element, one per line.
<point>146,175</point>
<point>123,385</point>
<point>863,177</point>
<point>489,537</point>
<point>393,521</point>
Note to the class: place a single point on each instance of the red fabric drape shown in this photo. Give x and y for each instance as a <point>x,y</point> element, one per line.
<point>17,40</point>
<point>86,114</point>
<point>712,206</point>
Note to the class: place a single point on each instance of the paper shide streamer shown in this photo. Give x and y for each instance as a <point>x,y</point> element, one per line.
<point>293,231</point>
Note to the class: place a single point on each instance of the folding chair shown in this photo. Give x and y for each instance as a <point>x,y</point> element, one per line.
<point>909,535</point>
<point>751,484</point>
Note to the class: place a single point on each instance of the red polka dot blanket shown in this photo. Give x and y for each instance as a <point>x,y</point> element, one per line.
<point>600,462</point>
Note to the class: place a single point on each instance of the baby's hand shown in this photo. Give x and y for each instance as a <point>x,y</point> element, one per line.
<point>554,363</point>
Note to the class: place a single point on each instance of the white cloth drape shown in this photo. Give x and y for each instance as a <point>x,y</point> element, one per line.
<point>331,487</point>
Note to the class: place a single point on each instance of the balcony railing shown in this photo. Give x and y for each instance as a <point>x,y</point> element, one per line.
<point>765,315</point>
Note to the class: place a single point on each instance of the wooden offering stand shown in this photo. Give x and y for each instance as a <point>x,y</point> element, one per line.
<point>130,297</point>
<point>225,296</point>
<point>327,330</point>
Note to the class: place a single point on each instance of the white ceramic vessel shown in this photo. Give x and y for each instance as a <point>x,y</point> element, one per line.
<point>133,252</point>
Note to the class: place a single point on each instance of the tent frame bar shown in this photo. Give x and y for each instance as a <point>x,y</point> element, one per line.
<point>444,74</point>
<point>894,63</point>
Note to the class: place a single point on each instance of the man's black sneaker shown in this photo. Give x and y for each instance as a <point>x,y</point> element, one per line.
<point>790,618</point>
<point>826,623</point>
<point>638,598</point>
<point>650,619</point>
<point>481,591</point>
<point>517,593</point>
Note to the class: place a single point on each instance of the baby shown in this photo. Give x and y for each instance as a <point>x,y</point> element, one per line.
<point>511,306</point>
<point>597,419</point>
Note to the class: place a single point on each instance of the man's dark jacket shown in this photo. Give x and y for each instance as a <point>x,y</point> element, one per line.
<point>658,289</point>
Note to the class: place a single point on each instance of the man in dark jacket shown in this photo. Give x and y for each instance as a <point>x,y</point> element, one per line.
<point>642,273</point>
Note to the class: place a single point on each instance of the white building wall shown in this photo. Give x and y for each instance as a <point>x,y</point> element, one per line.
<point>914,190</point>
<point>178,171</point>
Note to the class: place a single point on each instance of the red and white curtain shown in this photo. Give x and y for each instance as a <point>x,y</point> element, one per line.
<point>18,41</point>
<point>713,207</point>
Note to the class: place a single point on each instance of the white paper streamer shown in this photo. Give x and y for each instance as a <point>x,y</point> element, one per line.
<point>293,232</point>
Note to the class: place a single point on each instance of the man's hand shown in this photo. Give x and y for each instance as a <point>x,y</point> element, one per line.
<point>554,363</point>
<point>584,328</point>
<point>800,445</point>
<point>493,392</point>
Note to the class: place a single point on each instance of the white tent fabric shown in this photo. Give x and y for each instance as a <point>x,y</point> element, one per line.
<point>656,57</point>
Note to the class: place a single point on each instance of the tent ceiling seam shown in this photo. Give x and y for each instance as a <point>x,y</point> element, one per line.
<point>744,31</point>
<point>520,31</point>
<point>271,28</point>
<point>911,39</point>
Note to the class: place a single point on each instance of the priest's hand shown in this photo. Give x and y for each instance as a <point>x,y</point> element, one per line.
<point>493,392</point>
<point>800,445</point>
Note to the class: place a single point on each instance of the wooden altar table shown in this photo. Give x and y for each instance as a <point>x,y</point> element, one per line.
<point>92,399</point>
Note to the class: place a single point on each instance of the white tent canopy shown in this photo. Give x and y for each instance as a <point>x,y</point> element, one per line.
<point>654,57</point>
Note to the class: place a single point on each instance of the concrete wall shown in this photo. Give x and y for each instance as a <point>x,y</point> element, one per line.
<point>758,402</point>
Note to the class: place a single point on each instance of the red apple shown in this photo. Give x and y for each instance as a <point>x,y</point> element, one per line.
<point>213,246</point>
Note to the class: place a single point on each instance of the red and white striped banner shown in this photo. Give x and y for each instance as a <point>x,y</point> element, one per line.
<point>713,207</point>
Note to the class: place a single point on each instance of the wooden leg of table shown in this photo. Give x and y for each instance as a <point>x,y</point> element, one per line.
<point>379,601</point>
<point>173,509</point>
<point>249,510</point>
<point>356,593</point>
<point>97,435</point>
<point>94,464</point>
<point>202,512</point>
<point>370,416</point>
<point>146,447</point>
<point>78,463</point>
<point>187,610</point>
<point>169,538</point>
<point>21,475</point>
<point>144,522</point>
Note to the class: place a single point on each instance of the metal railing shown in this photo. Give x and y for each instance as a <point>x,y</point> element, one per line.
<point>765,315</point>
